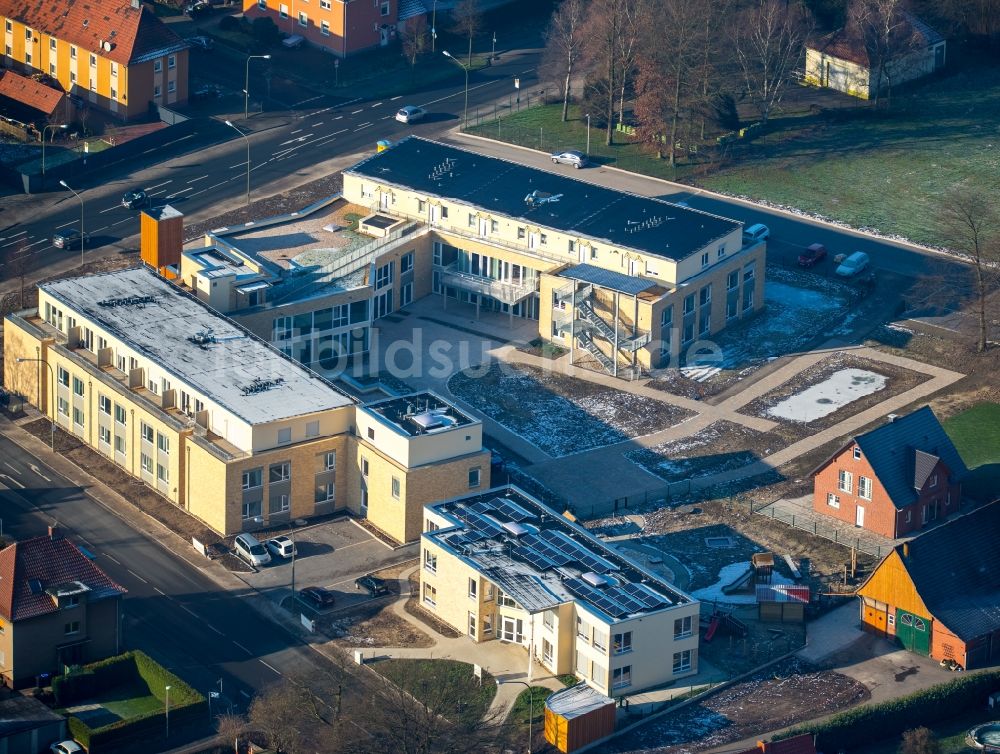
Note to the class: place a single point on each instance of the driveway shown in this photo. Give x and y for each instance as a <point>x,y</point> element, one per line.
<point>330,555</point>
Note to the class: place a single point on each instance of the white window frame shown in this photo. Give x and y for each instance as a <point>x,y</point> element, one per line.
<point>621,678</point>
<point>845,481</point>
<point>832,500</point>
<point>430,561</point>
<point>864,488</point>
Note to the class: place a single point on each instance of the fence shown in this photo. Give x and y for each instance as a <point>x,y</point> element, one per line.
<point>814,525</point>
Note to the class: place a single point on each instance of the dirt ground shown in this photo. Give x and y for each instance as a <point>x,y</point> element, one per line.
<point>779,696</point>
<point>561,414</point>
<point>899,380</point>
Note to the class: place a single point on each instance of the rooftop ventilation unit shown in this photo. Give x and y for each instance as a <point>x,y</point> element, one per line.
<point>517,530</point>
<point>433,419</point>
<point>598,580</point>
<point>139,301</point>
<point>260,385</point>
<point>202,337</point>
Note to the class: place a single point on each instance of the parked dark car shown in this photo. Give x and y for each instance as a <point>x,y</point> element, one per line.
<point>372,584</point>
<point>70,239</point>
<point>813,254</point>
<point>317,597</point>
<point>134,199</point>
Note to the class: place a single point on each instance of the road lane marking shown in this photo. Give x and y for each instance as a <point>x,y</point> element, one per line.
<point>363,125</point>
<point>137,576</point>
<point>243,648</point>
<point>215,186</point>
<point>238,165</point>
<point>159,591</point>
<point>187,610</point>
<point>15,470</point>
<point>112,558</point>
<point>12,480</point>
<point>268,666</point>
<point>317,123</point>
<point>35,243</point>
<point>39,472</point>
<point>150,188</point>
<point>109,209</point>
<point>199,178</point>
<point>296,131</point>
<point>71,222</point>
<point>457,94</point>
<point>376,105</point>
<point>358,111</point>
<point>190,196</point>
<point>344,131</point>
<point>398,96</point>
<point>338,117</point>
<point>121,221</point>
<point>209,625</point>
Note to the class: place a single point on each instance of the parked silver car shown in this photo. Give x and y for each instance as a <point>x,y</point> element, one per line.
<point>570,157</point>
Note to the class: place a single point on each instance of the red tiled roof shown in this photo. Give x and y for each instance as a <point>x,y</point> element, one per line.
<point>133,32</point>
<point>29,92</point>
<point>850,46</point>
<point>51,562</point>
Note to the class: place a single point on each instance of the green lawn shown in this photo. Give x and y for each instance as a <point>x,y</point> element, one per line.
<point>446,686</point>
<point>885,171</point>
<point>531,124</point>
<point>532,703</point>
<point>122,702</point>
<point>976,434</point>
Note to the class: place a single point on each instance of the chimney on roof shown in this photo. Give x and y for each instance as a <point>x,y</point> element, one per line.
<point>55,533</point>
<point>892,417</point>
<point>137,4</point>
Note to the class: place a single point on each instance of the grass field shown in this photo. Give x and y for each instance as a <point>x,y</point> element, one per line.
<point>447,686</point>
<point>976,434</point>
<point>950,735</point>
<point>886,172</point>
<point>123,702</point>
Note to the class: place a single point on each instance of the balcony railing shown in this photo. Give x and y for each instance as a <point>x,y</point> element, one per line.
<point>503,291</point>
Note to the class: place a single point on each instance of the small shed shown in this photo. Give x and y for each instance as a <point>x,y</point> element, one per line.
<point>577,716</point>
<point>782,603</point>
<point>26,725</point>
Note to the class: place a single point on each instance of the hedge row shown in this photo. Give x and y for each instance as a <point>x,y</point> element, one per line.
<point>872,722</point>
<point>91,679</point>
<point>187,706</point>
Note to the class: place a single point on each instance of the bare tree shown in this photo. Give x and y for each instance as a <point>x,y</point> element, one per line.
<point>769,38</point>
<point>634,15</point>
<point>468,21</point>
<point>415,39</point>
<point>231,728</point>
<point>919,741</point>
<point>603,29</point>
<point>652,104</point>
<point>972,222</point>
<point>979,18</point>
<point>563,46</point>
<point>289,716</point>
<point>884,30</point>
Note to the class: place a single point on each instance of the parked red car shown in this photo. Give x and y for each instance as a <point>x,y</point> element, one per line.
<point>813,254</point>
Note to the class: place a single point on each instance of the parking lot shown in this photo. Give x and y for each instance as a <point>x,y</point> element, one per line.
<point>331,555</point>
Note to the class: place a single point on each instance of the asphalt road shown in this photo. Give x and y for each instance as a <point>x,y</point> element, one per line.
<point>311,131</point>
<point>172,612</point>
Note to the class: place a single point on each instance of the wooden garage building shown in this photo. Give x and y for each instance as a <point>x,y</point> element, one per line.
<point>939,594</point>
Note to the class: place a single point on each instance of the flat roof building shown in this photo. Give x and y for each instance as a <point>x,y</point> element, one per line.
<point>218,421</point>
<point>536,579</point>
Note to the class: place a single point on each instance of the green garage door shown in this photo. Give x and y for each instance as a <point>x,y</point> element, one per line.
<point>913,632</point>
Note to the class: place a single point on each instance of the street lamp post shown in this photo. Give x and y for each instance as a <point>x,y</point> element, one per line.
<point>465,116</point>
<point>44,129</point>
<point>531,707</point>
<point>230,124</point>
<point>167,713</point>
<point>434,33</point>
<point>83,236</point>
<point>246,87</point>
<point>52,422</point>
<point>493,54</point>
<point>588,134</point>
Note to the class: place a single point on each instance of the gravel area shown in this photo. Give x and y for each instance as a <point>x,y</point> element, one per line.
<point>721,446</point>
<point>776,697</point>
<point>560,414</point>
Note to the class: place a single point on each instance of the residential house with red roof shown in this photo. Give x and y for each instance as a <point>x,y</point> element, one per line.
<point>844,60</point>
<point>893,480</point>
<point>939,594</point>
<point>30,101</point>
<point>342,27</point>
<point>57,608</point>
<point>115,55</point>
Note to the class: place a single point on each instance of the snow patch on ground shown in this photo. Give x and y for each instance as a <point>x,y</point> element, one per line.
<point>833,393</point>
<point>727,575</point>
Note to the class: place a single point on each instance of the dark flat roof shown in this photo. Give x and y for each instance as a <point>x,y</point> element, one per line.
<point>573,206</point>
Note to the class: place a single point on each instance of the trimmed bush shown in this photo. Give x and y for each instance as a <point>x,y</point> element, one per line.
<point>229,23</point>
<point>872,722</point>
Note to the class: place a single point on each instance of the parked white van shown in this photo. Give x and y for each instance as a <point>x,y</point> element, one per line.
<point>249,548</point>
<point>854,264</point>
<point>756,232</point>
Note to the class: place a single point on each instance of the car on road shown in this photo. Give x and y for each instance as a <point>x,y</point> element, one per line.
<point>198,8</point>
<point>410,114</point>
<point>134,199</point>
<point>66,747</point>
<point>756,232</point>
<point>812,254</point>
<point>249,548</point>
<point>853,264</point>
<point>570,157</point>
<point>281,547</point>
<point>70,239</point>
<point>207,91</point>
<point>317,597</point>
<point>372,584</point>
<point>205,43</point>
